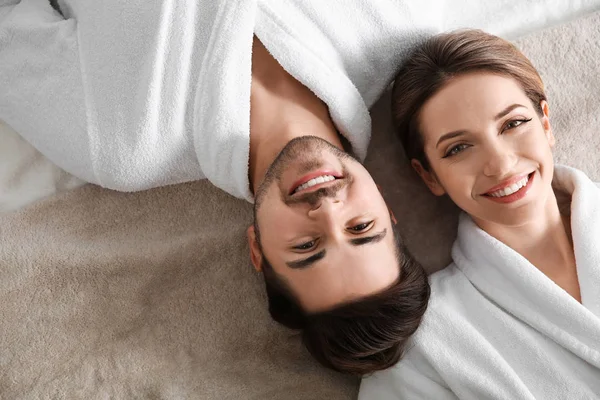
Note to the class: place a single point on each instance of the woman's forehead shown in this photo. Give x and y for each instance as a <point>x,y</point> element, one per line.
<point>469,99</point>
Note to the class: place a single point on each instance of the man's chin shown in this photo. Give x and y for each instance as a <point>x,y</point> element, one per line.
<point>300,156</point>
<point>305,144</point>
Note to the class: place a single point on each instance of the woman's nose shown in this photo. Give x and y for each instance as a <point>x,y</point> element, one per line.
<point>499,160</point>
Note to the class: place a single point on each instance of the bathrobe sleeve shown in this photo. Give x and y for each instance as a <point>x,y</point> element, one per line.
<point>132,95</point>
<point>41,87</point>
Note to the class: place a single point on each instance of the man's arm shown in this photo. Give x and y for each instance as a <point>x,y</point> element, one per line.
<point>41,84</point>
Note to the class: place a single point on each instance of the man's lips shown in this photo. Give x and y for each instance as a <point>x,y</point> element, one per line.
<point>317,187</point>
<point>306,178</point>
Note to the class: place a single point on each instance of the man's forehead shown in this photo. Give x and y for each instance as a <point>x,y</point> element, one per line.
<point>350,278</point>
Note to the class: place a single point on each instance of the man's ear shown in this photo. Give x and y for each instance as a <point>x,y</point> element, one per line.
<point>429,178</point>
<point>546,123</point>
<point>255,253</point>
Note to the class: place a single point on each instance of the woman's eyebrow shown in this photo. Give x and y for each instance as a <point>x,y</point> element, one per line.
<point>448,136</point>
<point>508,109</point>
<point>501,114</point>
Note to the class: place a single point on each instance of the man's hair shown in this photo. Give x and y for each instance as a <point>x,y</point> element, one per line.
<point>444,57</point>
<point>362,336</point>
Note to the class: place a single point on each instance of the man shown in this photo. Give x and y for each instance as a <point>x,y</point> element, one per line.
<point>138,94</point>
<point>323,235</point>
<point>134,95</point>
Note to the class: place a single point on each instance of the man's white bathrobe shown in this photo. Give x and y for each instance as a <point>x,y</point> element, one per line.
<point>498,328</point>
<point>134,94</point>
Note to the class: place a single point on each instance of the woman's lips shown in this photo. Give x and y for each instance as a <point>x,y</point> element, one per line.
<point>519,194</point>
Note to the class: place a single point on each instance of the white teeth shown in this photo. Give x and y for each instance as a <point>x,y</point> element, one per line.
<point>507,191</point>
<point>315,181</point>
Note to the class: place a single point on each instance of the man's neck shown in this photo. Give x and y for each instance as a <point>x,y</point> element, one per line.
<point>281,109</point>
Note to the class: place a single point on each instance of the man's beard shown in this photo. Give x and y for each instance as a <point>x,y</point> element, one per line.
<point>304,147</point>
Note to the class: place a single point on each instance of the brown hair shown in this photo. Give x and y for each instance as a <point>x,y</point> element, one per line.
<point>444,57</point>
<point>365,335</point>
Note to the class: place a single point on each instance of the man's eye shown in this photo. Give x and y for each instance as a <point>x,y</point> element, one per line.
<point>361,227</point>
<point>306,246</point>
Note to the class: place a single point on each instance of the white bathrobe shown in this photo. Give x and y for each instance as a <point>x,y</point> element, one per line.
<point>134,94</point>
<point>498,328</point>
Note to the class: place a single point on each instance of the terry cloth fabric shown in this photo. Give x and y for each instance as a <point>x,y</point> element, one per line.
<point>139,94</point>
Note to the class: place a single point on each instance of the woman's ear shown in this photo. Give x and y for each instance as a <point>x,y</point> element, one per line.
<point>546,123</point>
<point>429,178</point>
<point>255,253</point>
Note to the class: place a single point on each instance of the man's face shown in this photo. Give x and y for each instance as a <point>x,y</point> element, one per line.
<point>324,226</point>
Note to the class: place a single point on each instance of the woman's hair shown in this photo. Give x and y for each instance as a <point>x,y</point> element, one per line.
<point>444,57</point>
<point>365,335</point>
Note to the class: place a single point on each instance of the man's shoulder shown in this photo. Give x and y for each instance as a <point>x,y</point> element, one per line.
<point>450,291</point>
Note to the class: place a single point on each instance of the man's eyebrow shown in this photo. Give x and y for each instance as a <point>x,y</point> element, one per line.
<point>310,261</point>
<point>306,262</point>
<point>378,237</point>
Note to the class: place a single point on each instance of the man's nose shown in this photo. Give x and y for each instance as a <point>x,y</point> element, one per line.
<point>326,207</point>
<point>329,215</point>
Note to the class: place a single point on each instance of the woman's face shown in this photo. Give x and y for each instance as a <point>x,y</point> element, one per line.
<point>488,149</point>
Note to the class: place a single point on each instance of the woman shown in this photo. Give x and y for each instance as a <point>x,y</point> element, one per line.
<point>517,313</point>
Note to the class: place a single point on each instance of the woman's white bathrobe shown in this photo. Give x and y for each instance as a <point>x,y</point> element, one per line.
<point>498,328</point>
<point>134,94</point>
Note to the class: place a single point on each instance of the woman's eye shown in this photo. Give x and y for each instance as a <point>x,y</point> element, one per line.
<point>515,123</point>
<point>455,150</point>
<point>306,246</point>
<point>361,227</point>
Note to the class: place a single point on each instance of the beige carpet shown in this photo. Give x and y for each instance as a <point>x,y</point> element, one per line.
<point>150,295</point>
